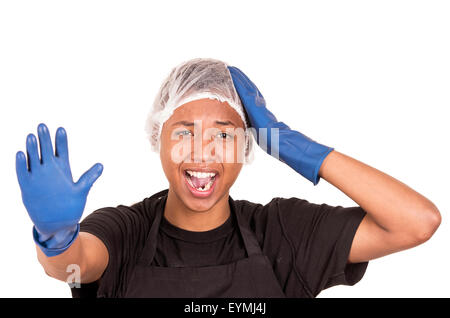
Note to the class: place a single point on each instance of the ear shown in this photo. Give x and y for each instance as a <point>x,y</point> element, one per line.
<point>248,146</point>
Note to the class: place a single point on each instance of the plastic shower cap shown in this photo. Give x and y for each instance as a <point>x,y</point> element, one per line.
<point>192,80</point>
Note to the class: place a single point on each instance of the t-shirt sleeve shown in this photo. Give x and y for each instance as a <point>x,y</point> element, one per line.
<point>122,229</point>
<point>321,237</point>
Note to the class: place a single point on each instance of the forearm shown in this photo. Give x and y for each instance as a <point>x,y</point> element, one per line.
<point>394,206</point>
<point>60,266</point>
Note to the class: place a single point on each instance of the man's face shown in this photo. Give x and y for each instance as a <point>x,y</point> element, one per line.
<point>202,150</point>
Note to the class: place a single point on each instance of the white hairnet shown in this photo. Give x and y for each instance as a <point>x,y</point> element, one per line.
<point>192,80</point>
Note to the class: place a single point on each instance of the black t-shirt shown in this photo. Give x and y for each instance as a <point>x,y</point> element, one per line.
<point>308,244</point>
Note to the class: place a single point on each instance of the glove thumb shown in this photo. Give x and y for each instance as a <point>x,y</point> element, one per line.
<point>89,177</point>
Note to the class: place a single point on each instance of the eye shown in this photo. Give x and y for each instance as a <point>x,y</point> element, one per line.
<point>183,133</point>
<point>225,135</point>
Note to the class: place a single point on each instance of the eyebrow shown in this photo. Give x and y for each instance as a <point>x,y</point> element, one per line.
<point>183,122</point>
<point>218,122</point>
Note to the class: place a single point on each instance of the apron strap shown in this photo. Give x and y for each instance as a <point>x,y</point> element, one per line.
<point>251,244</point>
<point>150,245</point>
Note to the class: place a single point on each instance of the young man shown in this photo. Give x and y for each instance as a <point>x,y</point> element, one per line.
<point>193,239</point>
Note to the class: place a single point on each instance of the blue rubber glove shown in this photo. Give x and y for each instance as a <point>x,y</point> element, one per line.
<point>53,201</point>
<point>301,153</point>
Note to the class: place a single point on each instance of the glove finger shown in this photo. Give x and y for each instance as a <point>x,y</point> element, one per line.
<point>21,168</point>
<point>252,99</point>
<point>61,145</point>
<point>259,98</point>
<point>243,80</point>
<point>240,82</point>
<point>32,153</point>
<point>45,143</point>
<point>247,90</point>
<point>89,177</point>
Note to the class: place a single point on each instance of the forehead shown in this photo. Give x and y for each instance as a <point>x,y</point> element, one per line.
<point>206,110</point>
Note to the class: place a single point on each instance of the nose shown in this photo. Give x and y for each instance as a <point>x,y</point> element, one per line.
<point>204,149</point>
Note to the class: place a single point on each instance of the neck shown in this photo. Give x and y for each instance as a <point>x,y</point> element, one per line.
<point>178,214</point>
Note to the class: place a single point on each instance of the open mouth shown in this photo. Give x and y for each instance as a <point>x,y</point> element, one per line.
<point>199,180</point>
<point>201,183</point>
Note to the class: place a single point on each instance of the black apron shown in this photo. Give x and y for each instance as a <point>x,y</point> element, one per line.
<point>250,277</point>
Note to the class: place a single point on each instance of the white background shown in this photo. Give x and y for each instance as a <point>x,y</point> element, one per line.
<point>369,78</point>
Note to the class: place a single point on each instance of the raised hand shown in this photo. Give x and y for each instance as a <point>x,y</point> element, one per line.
<point>298,151</point>
<point>54,202</point>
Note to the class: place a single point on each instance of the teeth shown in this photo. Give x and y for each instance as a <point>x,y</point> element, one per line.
<point>207,186</point>
<point>199,174</point>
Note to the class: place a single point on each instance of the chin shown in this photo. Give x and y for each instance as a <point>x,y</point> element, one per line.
<point>199,206</point>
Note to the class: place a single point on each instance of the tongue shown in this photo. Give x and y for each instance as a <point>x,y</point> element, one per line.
<point>200,182</point>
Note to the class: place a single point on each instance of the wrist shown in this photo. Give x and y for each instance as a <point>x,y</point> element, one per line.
<point>302,154</point>
<point>298,151</point>
<point>55,243</point>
